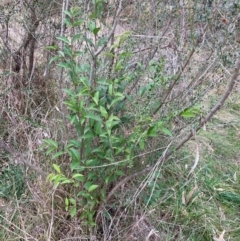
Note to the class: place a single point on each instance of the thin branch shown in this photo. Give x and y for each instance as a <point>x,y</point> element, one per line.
<point>217,106</point>
<point>60,77</point>
<point>179,74</point>
<point>190,135</point>
<point>100,49</point>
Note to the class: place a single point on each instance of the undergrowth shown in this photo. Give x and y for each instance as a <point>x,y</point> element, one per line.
<point>206,204</point>
<point>125,114</point>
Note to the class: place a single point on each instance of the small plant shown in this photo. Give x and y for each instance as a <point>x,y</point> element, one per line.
<point>100,149</point>
<point>103,146</point>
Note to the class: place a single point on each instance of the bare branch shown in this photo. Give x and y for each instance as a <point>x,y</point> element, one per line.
<point>179,74</point>
<point>217,106</point>
<point>100,49</point>
<point>190,135</point>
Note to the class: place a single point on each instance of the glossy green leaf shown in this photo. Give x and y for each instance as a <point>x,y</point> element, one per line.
<point>91,25</point>
<point>77,22</point>
<point>64,39</point>
<point>74,154</point>
<point>114,118</point>
<point>109,54</point>
<point>67,22</point>
<point>72,201</point>
<point>110,89</point>
<point>116,45</point>
<point>69,14</point>
<point>92,187</point>
<point>115,100</point>
<point>152,132</point>
<point>103,195</point>
<point>96,97</point>
<point>73,118</point>
<point>118,94</point>
<point>66,181</point>
<point>73,211</point>
<point>119,173</point>
<point>187,114</point>
<point>51,143</point>
<point>68,52</point>
<point>56,168</point>
<point>69,92</point>
<point>94,117</point>
<point>91,162</point>
<point>102,41</point>
<point>57,178</point>
<point>57,154</point>
<point>166,131</point>
<point>123,36</point>
<point>89,41</point>
<point>81,193</point>
<point>61,53</point>
<point>119,65</point>
<point>53,59</point>
<point>50,177</point>
<point>190,111</point>
<point>64,65</point>
<point>76,37</point>
<point>142,90</point>
<point>87,185</point>
<point>50,149</point>
<point>74,165</point>
<point>73,143</point>
<point>95,31</point>
<point>141,144</point>
<point>71,105</point>
<point>104,112</point>
<point>92,176</point>
<point>78,177</point>
<point>88,135</point>
<point>51,47</point>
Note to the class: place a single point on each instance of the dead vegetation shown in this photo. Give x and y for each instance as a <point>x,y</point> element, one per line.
<point>193,63</point>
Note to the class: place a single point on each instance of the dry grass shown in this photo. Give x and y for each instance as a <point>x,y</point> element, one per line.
<point>193,196</point>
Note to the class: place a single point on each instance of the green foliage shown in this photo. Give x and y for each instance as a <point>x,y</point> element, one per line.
<point>193,203</point>
<point>12,184</point>
<point>190,111</point>
<point>100,150</point>
<point>129,96</point>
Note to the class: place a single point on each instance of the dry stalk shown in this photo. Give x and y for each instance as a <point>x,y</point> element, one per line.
<point>20,159</point>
